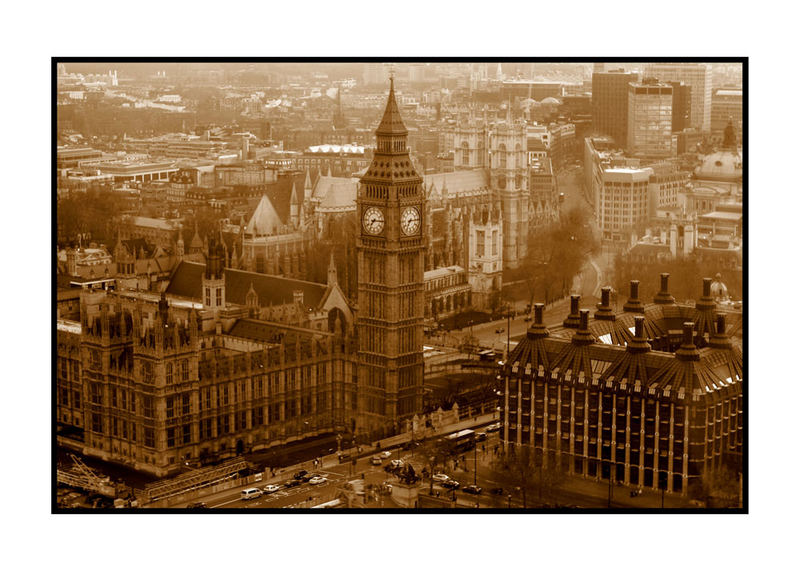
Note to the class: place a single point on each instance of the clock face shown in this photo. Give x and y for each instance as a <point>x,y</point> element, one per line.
<point>409,221</point>
<point>373,220</point>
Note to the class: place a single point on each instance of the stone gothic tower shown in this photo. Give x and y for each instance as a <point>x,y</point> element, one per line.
<point>390,244</point>
<point>508,180</point>
<point>214,276</point>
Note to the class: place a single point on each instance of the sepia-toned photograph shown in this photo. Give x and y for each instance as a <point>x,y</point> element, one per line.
<point>364,285</point>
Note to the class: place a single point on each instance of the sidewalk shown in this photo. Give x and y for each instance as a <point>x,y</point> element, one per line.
<point>597,490</point>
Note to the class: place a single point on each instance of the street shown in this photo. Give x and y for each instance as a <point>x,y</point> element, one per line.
<point>575,492</point>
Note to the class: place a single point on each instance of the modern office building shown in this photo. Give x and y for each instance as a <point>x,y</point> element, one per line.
<point>648,397</point>
<point>681,106</point>
<point>610,104</point>
<point>623,201</point>
<point>649,119</point>
<point>726,107</point>
<point>698,77</point>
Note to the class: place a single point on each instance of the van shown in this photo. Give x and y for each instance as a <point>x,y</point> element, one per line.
<point>251,493</point>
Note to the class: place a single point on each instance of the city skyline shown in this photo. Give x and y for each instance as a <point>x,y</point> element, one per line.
<point>238,194</point>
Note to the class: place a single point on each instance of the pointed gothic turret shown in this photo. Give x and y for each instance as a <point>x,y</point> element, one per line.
<point>332,276</point>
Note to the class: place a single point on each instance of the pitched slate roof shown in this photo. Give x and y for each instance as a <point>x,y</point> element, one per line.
<point>459,182</point>
<point>265,221</point>
<point>187,281</point>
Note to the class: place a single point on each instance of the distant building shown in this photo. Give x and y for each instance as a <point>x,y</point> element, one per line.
<point>681,106</point>
<point>649,119</point>
<point>623,201</point>
<point>726,107</point>
<point>158,231</point>
<point>698,77</point>
<point>610,104</point>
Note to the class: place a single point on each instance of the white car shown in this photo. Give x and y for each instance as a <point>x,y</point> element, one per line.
<point>271,488</point>
<point>440,477</point>
<point>316,480</point>
<point>397,464</point>
<point>385,454</point>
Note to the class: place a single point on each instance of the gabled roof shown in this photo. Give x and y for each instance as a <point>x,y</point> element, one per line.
<point>187,281</point>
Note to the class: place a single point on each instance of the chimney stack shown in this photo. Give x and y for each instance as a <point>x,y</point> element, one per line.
<point>720,339</point>
<point>538,330</point>
<point>573,319</point>
<point>604,310</point>
<point>639,343</point>
<point>583,336</point>
<point>634,304</point>
<point>706,302</point>
<point>663,297</point>
<point>688,350</point>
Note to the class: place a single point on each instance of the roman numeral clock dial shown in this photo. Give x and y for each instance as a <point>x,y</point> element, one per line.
<point>409,221</point>
<point>373,221</point>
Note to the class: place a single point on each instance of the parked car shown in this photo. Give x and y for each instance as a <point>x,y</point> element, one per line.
<point>292,483</point>
<point>300,475</point>
<point>307,477</point>
<point>440,477</point>
<point>450,484</point>
<point>344,458</point>
<point>472,489</point>
<point>495,427</point>
<point>396,464</point>
<point>271,488</point>
<point>480,437</point>
<point>316,480</point>
<point>196,506</point>
<point>376,461</point>
<point>385,454</point>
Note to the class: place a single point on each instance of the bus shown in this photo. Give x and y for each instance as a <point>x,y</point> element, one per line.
<point>461,441</point>
<point>328,505</point>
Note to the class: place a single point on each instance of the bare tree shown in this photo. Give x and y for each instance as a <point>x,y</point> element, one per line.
<point>523,469</point>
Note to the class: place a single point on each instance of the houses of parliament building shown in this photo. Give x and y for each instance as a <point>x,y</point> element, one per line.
<point>225,361</point>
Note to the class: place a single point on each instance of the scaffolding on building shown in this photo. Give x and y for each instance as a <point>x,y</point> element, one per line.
<point>194,480</point>
<point>85,479</point>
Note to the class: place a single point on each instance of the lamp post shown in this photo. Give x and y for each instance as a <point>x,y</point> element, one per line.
<point>475,478</point>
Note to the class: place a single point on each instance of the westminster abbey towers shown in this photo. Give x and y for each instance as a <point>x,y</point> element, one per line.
<point>501,149</point>
<point>391,204</point>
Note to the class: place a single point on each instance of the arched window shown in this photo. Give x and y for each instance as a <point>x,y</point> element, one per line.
<point>480,154</point>
<point>465,154</point>
<point>501,156</point>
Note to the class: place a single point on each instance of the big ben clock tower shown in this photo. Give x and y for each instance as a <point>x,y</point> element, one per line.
<point>391,204</point>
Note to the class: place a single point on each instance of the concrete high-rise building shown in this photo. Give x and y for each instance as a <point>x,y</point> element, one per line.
<point>391,295</point>
<point>610,103</point>
<point>681,106</point>
<point>695,75</point>
<point>650,118</point>
<point>726,106</point>
<point>622,201</point>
